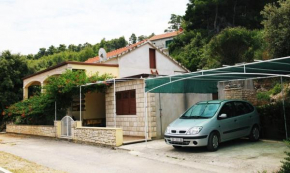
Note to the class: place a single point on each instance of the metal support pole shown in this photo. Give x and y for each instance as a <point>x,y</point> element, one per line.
<point>80,103</point>
<point>283,101</point>
<point>146,119</point>
<point>55,111</point>
<point>145,115</point>
<point>115,102</point>
<point>160,111</point>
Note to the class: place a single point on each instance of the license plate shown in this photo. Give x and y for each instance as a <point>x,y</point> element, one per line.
<point>176,139</point>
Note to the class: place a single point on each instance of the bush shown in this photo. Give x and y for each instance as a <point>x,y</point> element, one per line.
<point>285,168</point>
<point>263,96</point>
<point>272,120</point>
<point>276,89</point>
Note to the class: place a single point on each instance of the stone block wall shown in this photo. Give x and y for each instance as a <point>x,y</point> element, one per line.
<point>39,130</point>
<point>102,136</point>
<point>132,125</point>
<point>243,94</point>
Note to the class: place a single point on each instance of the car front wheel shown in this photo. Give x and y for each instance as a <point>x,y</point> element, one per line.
<point>213,141</point>
<point>255,134</point>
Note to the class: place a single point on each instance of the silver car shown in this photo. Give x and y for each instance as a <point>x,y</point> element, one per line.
<point>209,123</point>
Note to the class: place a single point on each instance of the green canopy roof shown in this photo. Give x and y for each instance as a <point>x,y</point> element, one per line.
<point>205,81</point>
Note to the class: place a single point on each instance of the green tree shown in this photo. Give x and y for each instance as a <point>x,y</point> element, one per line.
<point>141,37</point>
<point>277,27</point>
<point>41,53</point>
<point>188,54</point>
<point>133,39</point>
<point>51,50</point>
<point>73,48</point>
<point>215,15</point>
<point>233,45</point>
<point>175,23</point>
<point>61,48</point>
<point>13,69</point>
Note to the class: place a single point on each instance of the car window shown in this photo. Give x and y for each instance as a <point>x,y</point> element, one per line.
<point>249,106</point>
<point>201,111</point>
<point>241,108</point>
<point>228,109</point>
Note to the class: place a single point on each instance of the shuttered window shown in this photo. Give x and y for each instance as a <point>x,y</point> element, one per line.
<point>152,58</point>
<point>126,102</point>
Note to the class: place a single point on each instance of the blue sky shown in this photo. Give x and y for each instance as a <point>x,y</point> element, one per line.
<point>27,25</point>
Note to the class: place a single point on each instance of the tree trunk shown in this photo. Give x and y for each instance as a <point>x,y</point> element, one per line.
<point>216,17</point>
<point>234,16</point>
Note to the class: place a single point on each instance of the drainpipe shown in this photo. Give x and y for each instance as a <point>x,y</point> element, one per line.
<point>160,111</point>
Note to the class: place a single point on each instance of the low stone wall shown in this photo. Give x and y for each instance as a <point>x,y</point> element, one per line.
<point>98,135</point>
<point>39,130</point>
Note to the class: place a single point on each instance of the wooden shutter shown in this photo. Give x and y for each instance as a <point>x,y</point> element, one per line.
<point>119,103</point>
<point>133,102</point>
<point>152,58</point>
<point>125,102</point>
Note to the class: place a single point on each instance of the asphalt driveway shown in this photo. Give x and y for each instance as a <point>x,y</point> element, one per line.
<point>155,156</point>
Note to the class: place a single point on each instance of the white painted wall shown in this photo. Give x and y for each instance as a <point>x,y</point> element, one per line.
<point>137,62</point>
<point>161,42</point>
<point>173,106</point>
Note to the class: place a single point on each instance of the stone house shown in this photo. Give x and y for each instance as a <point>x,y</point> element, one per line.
<point>122,106</point>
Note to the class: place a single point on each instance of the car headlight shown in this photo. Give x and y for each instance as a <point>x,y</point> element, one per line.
<point>167,130</point>
<point>194,130</point>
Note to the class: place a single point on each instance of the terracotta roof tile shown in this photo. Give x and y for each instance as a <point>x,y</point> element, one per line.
<point>115,52</point>
<point>166,35</point>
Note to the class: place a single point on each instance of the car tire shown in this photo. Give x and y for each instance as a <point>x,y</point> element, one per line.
<point>176,146</point>
<point>213,141</point>
<point>255,134</point>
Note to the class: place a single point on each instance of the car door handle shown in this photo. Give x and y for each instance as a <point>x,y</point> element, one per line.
<point>235,120</point>
<point>250,116</point>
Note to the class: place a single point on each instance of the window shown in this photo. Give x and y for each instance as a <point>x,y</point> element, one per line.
<point>152,58</point>
<point>243,108</point>
<point>167,43</point>
<point>126,102</point>
<point>228,109</point>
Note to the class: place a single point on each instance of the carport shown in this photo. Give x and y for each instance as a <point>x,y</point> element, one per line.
<point>206,81</point>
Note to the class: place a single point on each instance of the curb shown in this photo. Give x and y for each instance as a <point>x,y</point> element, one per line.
<point>4,170</point>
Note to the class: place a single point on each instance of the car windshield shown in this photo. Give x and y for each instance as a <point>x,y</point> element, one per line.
<point>201,111</point>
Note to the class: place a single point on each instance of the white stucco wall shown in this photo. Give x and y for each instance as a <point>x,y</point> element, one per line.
<point>137,62</point>
<point>161,43</point>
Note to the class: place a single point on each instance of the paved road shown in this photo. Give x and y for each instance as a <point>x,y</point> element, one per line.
<point>80,158</point>
<point>155,156</point>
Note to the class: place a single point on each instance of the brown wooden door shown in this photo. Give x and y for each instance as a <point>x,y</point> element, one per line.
<point>152,58</point>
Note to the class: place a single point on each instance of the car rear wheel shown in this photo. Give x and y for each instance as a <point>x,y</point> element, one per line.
<point>213,141</point>
<point>255,134</point>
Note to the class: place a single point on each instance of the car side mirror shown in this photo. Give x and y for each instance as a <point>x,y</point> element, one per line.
<point>223,116</point>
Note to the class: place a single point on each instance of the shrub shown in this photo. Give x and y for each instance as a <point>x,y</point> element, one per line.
<point>263,96</point>
<point>272,119</point>
<point>276,89</point>
<point>285,168</point>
